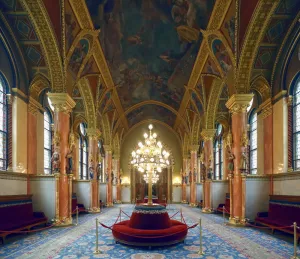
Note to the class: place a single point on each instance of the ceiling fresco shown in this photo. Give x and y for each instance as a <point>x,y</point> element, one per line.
<point>151,112</point>
<point>150,46</point>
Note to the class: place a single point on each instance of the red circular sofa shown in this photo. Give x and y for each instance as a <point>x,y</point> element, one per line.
<point>149,225</point>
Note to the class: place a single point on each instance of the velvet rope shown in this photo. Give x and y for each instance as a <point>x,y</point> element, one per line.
<point>174,215</point>
<point>125,213</point>
<point>26,231</point>
<point>182,218</point>
<point>254,226</point>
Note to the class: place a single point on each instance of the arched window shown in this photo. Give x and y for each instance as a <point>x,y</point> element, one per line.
<point>3,124</point>
<point>47,142</point>
<point>218,151</point>
<point>83,153</point>
<point>253,142</point>
<point>296,126</point>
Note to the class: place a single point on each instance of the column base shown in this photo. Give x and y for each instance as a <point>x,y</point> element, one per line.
<point>118,202</point>
<point>184,202</point>
<point>109,204</point>
<point>207,210</point>
<point>236,222</point>
<point>193,205</point>
<point>94,210</point>
<point>63,222</point>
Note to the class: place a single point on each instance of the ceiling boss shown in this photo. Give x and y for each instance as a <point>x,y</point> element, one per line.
<point>150,158</point>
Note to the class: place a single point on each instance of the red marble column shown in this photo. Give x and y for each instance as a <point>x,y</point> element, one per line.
<point>117,166</point>
<point>93,135</point>
<point>109,194</point>
<point>290,133</point>
<point>237,105</point>
<point>208,135</point>
<point>184,174</point>
<point>63,105</point>
<point>193,170</point>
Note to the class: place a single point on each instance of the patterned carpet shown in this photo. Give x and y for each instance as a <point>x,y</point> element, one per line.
<point>219,241</point>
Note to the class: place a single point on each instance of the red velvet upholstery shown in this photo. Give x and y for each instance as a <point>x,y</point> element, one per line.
<point>81,207</point>
<point>283,211</point>
<point>154,200</point>
<point>16,213</point>
<point>125,234</point>
<point>149,226</point>
<point>149,221</point>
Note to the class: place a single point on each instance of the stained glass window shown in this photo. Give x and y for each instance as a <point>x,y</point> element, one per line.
<point>296,126</point>
<point>3,125</point>
<point>218,154</point>
<point>83,153</point>
<point>253,143</point>
<point>47,142</point>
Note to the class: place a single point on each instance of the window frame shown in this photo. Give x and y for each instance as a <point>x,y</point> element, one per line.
<point>296,92</point>
<point>218,151</point>
<point>251,149</point>
<point>83,153</point>
<point>5,132</point>
<point>47,111</point>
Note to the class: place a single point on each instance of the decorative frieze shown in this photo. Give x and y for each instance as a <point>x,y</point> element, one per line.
<point>62,102</point>
<point>208,134</point>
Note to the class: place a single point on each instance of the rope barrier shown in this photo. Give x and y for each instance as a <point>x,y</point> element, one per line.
<point>26,231</point>
<point>254,226</point>
<point>174,215</point>
<point>125,213</point>
<point>131,235</point>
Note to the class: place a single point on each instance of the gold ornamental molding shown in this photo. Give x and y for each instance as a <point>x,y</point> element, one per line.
<point>107,148</point>
<point>43,27</point>
<point>218,14</point>
<point>279,96</point>
<point>79,118</point>
<point>238,103</point>
<point>62,102</point>
<point>208,134</point>
<point>34,106</point>
<point>194,148</point>
<point>254,35</point>
<point>93,133</point>
<point>212,105</point>
<point>82,14</point>
<point>86,93</point>
<point>266,108</point>
<point>261,85</point>
<point>18,92</point>
<point>38,84</point>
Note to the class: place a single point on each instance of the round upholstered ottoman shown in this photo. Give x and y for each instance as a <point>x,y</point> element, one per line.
<point>149,226</point>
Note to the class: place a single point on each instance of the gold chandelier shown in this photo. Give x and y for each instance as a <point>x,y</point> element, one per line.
<point>150,158</point>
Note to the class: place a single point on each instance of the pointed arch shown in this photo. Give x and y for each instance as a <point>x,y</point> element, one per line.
<point>38,84</point>
<point>262,87</point>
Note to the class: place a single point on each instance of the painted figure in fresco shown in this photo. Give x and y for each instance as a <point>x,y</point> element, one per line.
<point>70,27</point>
<point>229,25</point>
<point>69,158</point>
<point>230,161</point>
<point>221,55</point>
<point>56,160</point>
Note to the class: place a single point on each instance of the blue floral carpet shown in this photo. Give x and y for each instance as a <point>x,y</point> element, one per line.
<point>78,242</point>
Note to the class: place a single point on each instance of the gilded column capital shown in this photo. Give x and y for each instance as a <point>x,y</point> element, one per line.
<point>93,133</point>
<point>208,134</point>
<point>266,108</point>
<point>34,106</point>
<point>238,103</point>
<point>194,148</point>
<point>62,102</point>
<point>107,148</point>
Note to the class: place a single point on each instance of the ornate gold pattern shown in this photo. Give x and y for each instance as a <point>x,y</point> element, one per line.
<point>266,108</point>
<point>38,84</point>
<point>61,102</point>
<point>43,27</point>
<point>34,107</point>
<point>261,85</point>
<point>208,134</point>
<point>255,33</point>
<point>238,103</point>
<point>93,133</point>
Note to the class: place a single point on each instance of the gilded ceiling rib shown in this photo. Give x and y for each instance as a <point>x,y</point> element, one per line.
<point>254,35</point>
<point>42,24</point>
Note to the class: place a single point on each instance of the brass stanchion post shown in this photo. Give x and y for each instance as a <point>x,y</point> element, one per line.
<point>181,214</point>
<point>97,251</point>
<point>76,216</point>
<point>120,215</point>
<point>295,242</point>
<point>200,252</point>
<point>224,215</point>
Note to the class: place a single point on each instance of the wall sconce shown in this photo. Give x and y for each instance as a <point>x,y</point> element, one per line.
<point>176,181</point>
<point>126,182</point>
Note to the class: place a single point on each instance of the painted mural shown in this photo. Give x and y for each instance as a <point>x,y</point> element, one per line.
<point>197,103</point>
<point>72,26</point>
<point>228,26</point>
<point>150,45</point>
<point>222,55</point>
<point>210,67</point>
<point>78,55</point>
<point>151,112</point>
